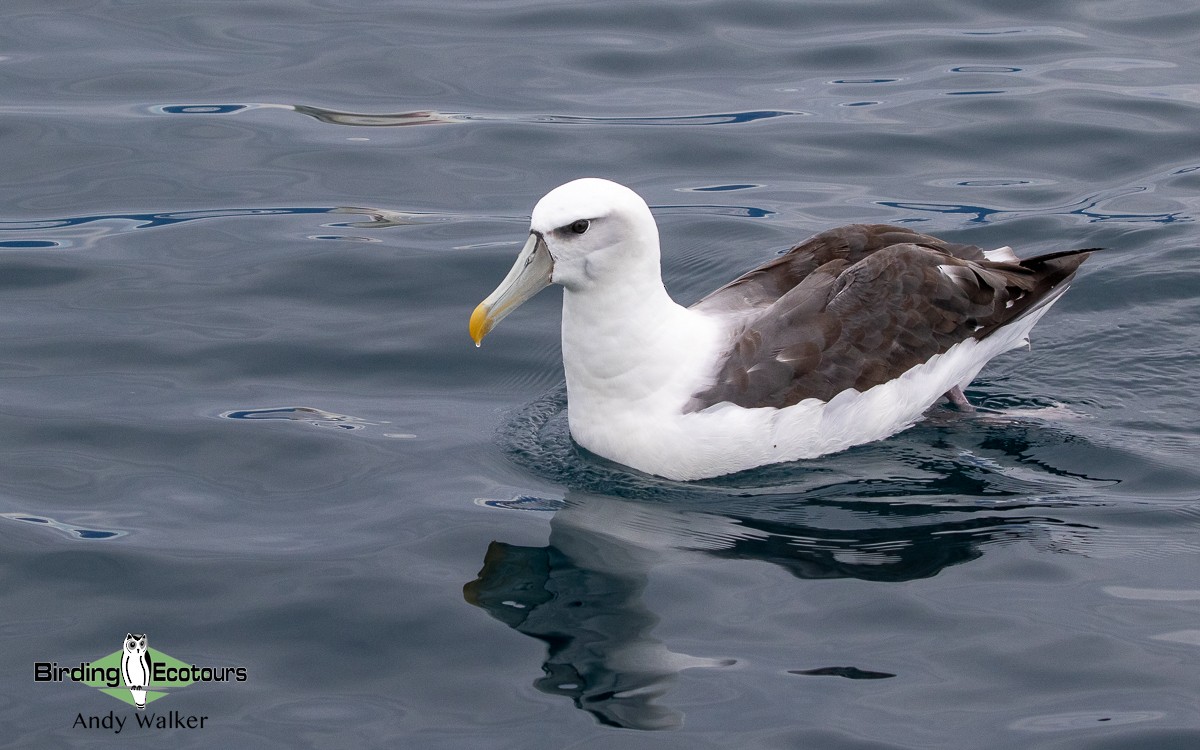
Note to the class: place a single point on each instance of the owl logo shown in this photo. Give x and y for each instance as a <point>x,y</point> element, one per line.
<point>135,667</point>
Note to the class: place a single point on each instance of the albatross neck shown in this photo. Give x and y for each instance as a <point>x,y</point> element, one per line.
<point>627,340</point>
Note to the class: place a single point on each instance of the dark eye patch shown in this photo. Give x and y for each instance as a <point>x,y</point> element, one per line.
<point>579,226</point>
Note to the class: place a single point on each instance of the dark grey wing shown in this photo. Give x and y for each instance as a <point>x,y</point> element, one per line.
<point>857,325</point>
<point>767,283</point>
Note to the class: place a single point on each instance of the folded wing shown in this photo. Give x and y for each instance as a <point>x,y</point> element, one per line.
<point>858,306</point>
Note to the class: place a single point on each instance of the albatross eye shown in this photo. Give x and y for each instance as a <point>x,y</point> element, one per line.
<point>580,226</point>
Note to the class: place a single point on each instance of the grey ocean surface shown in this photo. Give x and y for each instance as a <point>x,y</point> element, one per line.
<point>240,412</point>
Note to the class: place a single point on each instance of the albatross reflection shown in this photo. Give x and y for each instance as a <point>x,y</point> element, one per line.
<point>582,593</point>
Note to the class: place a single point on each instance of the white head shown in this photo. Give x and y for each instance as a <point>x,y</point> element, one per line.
<point>593,229</point>
<point>583,234</point>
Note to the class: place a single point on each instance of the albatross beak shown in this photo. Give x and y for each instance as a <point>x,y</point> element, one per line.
<point>529,275</point>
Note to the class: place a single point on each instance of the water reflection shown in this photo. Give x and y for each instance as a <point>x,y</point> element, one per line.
<point>904,509</point>
<point>582,593</point>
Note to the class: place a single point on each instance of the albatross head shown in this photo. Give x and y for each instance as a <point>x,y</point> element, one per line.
<point>584,234</point>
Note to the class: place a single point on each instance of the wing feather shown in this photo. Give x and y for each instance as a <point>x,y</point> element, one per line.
<point>764,285</point>
<point>865,304</point>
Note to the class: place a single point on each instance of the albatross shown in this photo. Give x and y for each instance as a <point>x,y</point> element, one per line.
<point>847,338</point>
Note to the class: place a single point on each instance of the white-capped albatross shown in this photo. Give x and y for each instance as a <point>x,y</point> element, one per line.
<point>847,338</point>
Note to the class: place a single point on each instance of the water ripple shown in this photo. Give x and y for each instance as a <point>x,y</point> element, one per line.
<point>307,414</point>
<point>431,117</point>
<point>850,673</point>
<point>1084,720</point>
<point>76,231</point>
<point>71,530</point>
<point>148,220</point>
<point>73,231</point>
<point>1087,208</point>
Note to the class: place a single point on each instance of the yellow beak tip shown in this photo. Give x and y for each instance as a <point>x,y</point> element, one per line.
<point>480,324</point>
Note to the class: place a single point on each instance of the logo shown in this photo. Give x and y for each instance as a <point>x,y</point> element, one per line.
<point>137,675</point>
